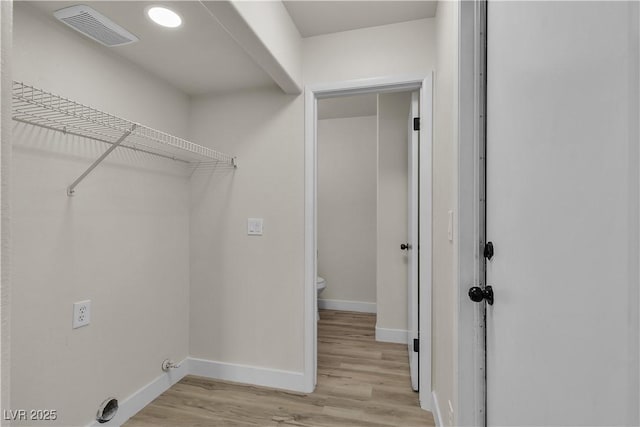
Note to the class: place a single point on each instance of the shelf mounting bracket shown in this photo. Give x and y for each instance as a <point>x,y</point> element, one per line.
<point>72,188</point>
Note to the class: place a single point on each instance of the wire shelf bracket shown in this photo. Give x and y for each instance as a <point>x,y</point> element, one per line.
<point>44,109</point>
<point>72,188</point>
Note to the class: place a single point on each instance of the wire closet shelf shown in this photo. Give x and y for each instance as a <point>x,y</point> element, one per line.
<point>41,108</point>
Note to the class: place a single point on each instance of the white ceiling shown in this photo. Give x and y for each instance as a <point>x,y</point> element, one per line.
<point>198,57</point>
<point>323,17</point>
<point>348,106</point>
<point>201,57</point>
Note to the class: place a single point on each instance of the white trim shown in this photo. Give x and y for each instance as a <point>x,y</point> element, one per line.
<point>425,239</point>
<point>469,364</point>
<point>352,87</point>
<point>413,196</point>
<point>341,305</point>
<point>251,375</point>
<point>373,85</point>
<point>130,406</point>
<point>398,336</point>
<point>254,375</point>
<point>437,413</point>
<point>310,230</point>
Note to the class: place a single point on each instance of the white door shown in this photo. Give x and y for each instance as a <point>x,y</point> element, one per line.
<point>562,213</point>
<point>412,249</point>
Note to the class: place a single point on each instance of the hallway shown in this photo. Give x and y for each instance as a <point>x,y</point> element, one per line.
<point>361,382</point>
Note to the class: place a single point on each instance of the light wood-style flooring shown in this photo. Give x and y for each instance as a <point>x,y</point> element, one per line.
<point>361,382</point>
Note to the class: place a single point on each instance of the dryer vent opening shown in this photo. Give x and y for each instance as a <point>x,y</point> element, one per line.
<point>107,410</point>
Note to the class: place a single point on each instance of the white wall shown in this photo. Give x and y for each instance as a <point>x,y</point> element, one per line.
<point>370,52</point>
<point>247,291</point>
<point>444,199</point>
<point>121,241</point>
<point>132,215</point>
<point>241,312</point>
<point>267,33</point>
<point>276,29</point>
<point>347,195</point>
<point>393,116</point>
<point>387,50</point>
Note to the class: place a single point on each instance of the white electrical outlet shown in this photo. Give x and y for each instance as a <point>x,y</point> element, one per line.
<point>81,313</point>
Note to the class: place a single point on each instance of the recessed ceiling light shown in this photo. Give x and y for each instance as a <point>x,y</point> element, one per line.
<point>165,17</point>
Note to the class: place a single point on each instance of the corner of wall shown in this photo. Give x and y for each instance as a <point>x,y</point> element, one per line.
<point>6,33</point>
<point>445,157</point>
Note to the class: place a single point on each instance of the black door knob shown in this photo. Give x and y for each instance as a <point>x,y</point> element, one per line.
<point>405,246</point>
<point>478,294</point>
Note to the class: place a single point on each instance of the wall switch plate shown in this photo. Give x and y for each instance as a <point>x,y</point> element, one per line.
<point>254,226</point>
<point>81,313</point>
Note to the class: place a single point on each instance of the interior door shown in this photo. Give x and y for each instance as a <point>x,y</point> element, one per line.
<point>562,213</point>
<point>412,233</point>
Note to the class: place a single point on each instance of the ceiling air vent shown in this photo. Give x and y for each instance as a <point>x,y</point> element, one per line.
<point>95,25</point>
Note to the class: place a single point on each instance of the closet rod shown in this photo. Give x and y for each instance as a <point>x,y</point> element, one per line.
<point>72,188</point>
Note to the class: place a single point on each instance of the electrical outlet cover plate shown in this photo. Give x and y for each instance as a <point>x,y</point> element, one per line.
<point>81,313</point>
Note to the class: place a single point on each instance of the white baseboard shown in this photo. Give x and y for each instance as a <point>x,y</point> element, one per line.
<point>266,377</point>
<point>398,336</point>
<point>273,378</point>
<point>437,413</point>
<point>145,395</point>
<point>336,304</point>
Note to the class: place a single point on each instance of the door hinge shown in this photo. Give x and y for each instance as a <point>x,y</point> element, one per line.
<point>488,250</point>
<point>416,123</point>
<point>416,345</point>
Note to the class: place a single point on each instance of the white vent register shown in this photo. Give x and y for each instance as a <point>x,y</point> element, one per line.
<point>95,25</point>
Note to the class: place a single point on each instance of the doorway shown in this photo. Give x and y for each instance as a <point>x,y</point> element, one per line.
<point>367,204</point>
<point>347,203</point>
<point>383,85</point>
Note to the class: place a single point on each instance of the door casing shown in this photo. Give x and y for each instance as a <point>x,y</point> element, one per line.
<point>413,231</point>
<point>470,372</point>
<point>353,87</point>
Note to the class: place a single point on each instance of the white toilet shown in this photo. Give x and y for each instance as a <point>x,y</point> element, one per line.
<point>320,285</point>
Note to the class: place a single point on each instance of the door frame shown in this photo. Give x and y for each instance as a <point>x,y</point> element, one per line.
<point>470,362</point>
<point>423,83</point>
<point>413,233</point>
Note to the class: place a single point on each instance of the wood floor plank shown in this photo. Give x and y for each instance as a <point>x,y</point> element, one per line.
<point>361,382</point>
